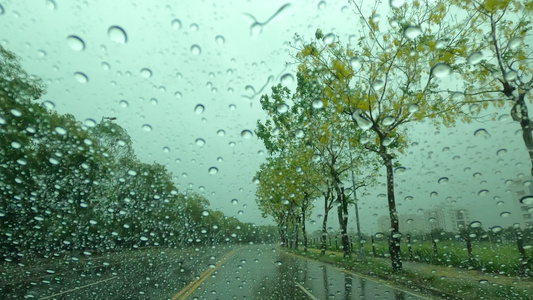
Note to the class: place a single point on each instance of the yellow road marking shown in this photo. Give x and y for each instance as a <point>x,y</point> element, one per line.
<point>360,275</point>
<point>191,287</point>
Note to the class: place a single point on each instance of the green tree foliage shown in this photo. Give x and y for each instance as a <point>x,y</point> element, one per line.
<point>66,187</point>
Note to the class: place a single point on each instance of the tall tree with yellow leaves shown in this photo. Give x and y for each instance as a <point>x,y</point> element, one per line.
<point>388,79</point>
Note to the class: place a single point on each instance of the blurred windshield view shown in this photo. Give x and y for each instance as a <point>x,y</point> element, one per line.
<point>254,149</point>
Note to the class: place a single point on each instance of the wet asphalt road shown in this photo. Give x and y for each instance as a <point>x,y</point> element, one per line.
<point>223,272</point>
<point>262,272</point>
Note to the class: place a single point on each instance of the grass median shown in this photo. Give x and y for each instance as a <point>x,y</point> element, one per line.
<point>434,280</point>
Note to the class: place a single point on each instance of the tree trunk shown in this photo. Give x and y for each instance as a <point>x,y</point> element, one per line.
<point>296,234</point>
<point>324,230</point>
<point>520,113</point>
<point>304,233</point>
<point>394,240</point>
<point>343,221</point>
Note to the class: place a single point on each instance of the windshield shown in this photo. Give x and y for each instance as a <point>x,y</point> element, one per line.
<point>266,150</point>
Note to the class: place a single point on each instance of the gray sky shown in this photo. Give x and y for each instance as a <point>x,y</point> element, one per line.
<point>165,37</point>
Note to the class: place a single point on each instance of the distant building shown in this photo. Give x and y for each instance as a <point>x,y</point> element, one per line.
<point>521,208</point>
<point>440,217</point>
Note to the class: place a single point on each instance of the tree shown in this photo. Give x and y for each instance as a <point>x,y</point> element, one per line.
<point>497,65</point>
<point>390,78</point>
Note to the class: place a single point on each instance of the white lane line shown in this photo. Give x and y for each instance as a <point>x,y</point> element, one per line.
<point>78,288</point>
<point>306,291</point>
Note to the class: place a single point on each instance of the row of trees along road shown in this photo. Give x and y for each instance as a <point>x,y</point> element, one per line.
<point>352,103</point>
<point>65,186</point>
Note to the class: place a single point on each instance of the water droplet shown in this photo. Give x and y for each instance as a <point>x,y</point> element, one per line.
<point>221,132</point>
<point>441,70</point>
<point>527,200</point>
<point>483,281</point>
<point>387,121</point>
<point>2,11</point>
<point>501,152</point>
<point>146,73</point>
<point>213,170</point>
<point>49,104</point>
<point>399,170</point>
<point>496,229</point>
<point>220,40</point>
<point>475,58</point>
<point>412,108</point>
<point>60,130</point>
<point>105,66</point>
<point>505,214</point>
<point>364,139</point>
<point>362,121</point>
<point>178,95</point>
<point>200,142</point>
<point>246,134</point>
<point>482,132</point>
<point>412,32</point>
<point>287,79</point>
<point>166,149</point>
<point>89,123</point>
<point>477,175</point>
<point>409,221</point>
<point>147,128</point>
<point>15,112</point>
<point>176,24</point>
<point>234,201</point>
<point>475,224</point>
<point>117,35</point>
<point>240,212</point>
<point>38,218</point>
<point>511,75</point>
<point>22,161</point>
<point>318,104</point>
<point>199,109</point>
<point>433,194</point>
<point>75,43</point>
<point>329,38</point>
<point>316,157</point>
<point>196,50</point>
<point>16,145</point>
<point>355,62</point>
<point>132,172</point>
<point>53,161</point>
<point>282,108</point>
<point>483,192</point>
<point>123,103</point>
<point>51,5</point>
<point>378,84</point>
<point>232,107</point>
<point>80,77</point>
<point>379,235</point>
<point>443,180</point>
<point>514,43</point>
<point>321,5</point>
<point>194,27</point>
<point>396,3</point>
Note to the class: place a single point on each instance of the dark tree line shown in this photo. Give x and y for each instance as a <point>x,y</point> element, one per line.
<point>68,186</point>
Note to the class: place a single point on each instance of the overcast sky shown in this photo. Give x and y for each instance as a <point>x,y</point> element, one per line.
<point>151,64</point>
